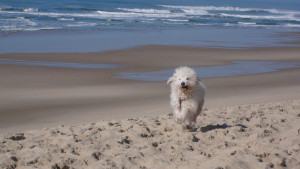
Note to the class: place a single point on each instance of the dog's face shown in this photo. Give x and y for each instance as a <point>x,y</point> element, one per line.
<point>184,79</point>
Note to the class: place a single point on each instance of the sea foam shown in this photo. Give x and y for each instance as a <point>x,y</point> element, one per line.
<point>153,11</point>
<point>31,10</point>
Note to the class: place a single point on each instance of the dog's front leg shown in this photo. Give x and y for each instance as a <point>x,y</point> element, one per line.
<point>181,116</point>
<point>176,114</point>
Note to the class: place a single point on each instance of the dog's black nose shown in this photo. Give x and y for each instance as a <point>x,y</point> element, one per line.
<point>182,83</point>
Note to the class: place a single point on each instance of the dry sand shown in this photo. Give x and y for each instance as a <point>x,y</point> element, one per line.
<point>248,136</point>
<point>35,97</point>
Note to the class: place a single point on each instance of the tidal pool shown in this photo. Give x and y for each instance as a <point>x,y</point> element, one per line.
<point>237,68</point>
<point>57,64</point>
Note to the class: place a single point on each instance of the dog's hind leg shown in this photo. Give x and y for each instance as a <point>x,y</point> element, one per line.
<point>194,119</point>
<point>199,110</point>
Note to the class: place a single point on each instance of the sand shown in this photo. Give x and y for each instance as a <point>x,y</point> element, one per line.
<point>82,118</point>
<point>247,136</point>
<point>34,97</point>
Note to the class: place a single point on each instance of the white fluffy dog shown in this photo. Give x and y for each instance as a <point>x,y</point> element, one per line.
<point>187,96</point>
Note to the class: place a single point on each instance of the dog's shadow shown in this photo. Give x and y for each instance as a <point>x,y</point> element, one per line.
<point>218,126</point>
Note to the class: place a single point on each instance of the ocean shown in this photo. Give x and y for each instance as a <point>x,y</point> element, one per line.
<point>99,25</point>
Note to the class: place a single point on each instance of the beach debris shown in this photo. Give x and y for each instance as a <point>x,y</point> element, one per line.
<point>17,137</point>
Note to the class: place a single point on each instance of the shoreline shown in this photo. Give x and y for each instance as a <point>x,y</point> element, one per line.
<point>35,97</point>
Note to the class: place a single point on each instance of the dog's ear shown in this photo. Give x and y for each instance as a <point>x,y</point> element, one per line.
<point>170,80</point>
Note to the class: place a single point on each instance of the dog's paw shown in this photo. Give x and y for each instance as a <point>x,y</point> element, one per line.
<point>190,126</point>
<point>178,120</point>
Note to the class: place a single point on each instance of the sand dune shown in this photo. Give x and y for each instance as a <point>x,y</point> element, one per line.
<point>248,136</point>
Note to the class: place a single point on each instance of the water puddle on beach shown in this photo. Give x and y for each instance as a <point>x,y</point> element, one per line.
<point>235,69</point>
<point>57,64</point>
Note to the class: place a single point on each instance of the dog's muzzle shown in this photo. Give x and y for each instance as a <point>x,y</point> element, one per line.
<point>183,86</point>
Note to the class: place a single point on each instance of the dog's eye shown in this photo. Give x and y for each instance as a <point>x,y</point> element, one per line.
<point>187,78</point>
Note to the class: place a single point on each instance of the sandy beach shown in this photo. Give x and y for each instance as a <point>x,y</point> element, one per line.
<point>247,136</point>
<point>83,84</point>
<point>34,97</point>
<point>87,118</point>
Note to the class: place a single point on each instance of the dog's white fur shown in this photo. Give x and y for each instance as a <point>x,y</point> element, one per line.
<point>192,99</point>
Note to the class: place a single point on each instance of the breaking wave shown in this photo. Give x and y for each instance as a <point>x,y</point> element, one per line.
<point>161,15</point>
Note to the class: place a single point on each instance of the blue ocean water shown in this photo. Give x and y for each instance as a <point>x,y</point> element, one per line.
<point>135,16</point>
<point>31,15</point>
